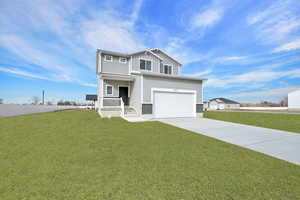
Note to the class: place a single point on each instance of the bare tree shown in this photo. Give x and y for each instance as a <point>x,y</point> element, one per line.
<point>284,102</point>
<point>35,100</point>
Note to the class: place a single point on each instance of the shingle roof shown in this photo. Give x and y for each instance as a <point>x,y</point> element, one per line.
<point>224,100</point>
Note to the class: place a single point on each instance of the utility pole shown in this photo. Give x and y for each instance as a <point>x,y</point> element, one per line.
<point>43,97</point>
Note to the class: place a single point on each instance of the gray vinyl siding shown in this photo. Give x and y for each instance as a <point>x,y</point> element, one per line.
<point>115,84</point>
<point>114,67</point>
<point>163,82</point>
<point>167,60</point>
<point>135,92</point>
<point>154,60</point>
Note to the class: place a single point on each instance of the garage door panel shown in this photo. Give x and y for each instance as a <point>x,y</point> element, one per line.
<point>171,104</point>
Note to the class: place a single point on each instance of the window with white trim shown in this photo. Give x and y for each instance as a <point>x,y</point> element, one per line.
<point>145,65</point>
<point>167,69</point>
<point>108,58</point>
<point>109,90</point>
<point>123,60</point>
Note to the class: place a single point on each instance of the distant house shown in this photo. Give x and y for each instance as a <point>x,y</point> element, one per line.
<point>221,104</point>
<point>294,100</point>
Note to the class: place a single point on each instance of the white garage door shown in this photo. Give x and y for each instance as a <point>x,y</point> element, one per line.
<point>174,104</point>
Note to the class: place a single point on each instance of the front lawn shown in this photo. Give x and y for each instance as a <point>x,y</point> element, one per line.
<point>77,155</point>
<point>285,122</point>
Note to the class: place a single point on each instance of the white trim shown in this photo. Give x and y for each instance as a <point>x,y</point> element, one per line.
<point>130,65</point>
<point>142,88</point>
<point>146,59</point>
<point>174,91</point>
<point>157,49</point>
<point>171,90</point>
<point>202,92</point>
<point>112,58</point>
<point>120,58</point>
<point>128,86</point>
<point>112,90</point>
<point>100,63</point>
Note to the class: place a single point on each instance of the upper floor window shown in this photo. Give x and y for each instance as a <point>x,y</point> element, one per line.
<point>123,60</point>
<point>145,65</point>
<point>108,58</point>
<point>166,69</point>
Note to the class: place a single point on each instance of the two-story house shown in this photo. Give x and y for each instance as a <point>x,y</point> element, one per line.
<point>147,82</point>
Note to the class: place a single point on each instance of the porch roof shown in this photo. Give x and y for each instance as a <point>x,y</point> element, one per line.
<point>120,77</point>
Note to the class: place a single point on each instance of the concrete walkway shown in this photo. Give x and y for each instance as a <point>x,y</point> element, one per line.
<point>279,144</point>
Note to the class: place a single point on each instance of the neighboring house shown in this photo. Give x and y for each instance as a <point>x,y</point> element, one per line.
<point>294,100</point>
<point>221,104</point>
<point>147,82</point>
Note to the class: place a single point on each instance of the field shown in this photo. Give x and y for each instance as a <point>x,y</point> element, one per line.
<point>280,121</point>
<point>77,155</point>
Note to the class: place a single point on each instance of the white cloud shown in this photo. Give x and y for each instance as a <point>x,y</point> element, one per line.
<point>231,58</point>
<point>269,93</point>
<point>207,18</point>
<point>22,73</point>
<point>253,77</point>
<point>51,77</point>
<point>111,34</point>
<point>288,46</point>
<point>136,10</point>
<point>277,22</point>
<point>198,74</point>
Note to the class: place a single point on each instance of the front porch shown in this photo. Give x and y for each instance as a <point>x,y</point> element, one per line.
<point>115,95</point>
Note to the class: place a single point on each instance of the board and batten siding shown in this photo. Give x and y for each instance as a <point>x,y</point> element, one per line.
<point>155,62</point>
<point>167,60</point>
<point>170,83</point>
<point>114,67</point>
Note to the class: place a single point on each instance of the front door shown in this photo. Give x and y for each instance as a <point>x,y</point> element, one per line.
<point>123,92</point>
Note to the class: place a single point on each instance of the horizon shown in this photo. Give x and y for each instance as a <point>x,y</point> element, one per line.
<point>248,52</point>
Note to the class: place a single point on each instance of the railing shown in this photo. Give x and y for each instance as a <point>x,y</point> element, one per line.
<point>122,108</point>
<point>112,102</point>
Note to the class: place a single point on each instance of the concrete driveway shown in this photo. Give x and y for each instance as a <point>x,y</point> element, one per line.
<point>279,144</point>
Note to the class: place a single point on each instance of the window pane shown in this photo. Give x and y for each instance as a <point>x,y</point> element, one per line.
<point>170,70</point>
<point>166,69</point>
<point>148,65</point>
<point>108,57</point>
<point>109,90</point>
<point>142,64</point>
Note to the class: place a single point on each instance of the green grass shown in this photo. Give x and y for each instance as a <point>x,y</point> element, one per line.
<point>77,155</point>
<point>285,122</point>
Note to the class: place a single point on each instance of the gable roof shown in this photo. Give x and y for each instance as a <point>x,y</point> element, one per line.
<point>157,49</point>
<point>224,100</point>
<point>113,53</point>
<point>151,51</point>
<point>148,51</point>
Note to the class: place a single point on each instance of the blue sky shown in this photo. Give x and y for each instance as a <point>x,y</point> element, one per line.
<point>249,50</point>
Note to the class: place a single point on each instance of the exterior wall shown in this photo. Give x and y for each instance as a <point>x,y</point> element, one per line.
<point>115,84</point>
<point>163,82</point>
<point>114,67</point>
<point>167,60</point>
<point>135,94</point>
<point>148,56</point>
<point>294,100</point>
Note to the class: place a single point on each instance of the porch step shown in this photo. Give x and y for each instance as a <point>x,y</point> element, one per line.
<point>111,112</point>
